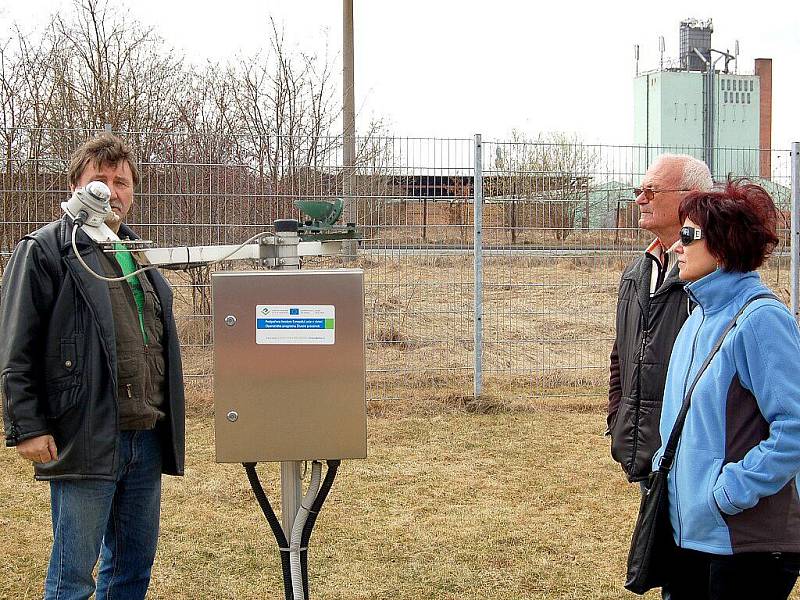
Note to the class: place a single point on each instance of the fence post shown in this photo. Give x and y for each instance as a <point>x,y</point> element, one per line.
<point>477,216</point>
<point>795,246</point>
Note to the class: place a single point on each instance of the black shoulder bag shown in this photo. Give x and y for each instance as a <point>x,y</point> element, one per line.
<point>652,546</point>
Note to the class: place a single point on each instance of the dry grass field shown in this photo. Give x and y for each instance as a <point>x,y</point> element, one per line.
<point>510,496</point>
<point>451,504</point>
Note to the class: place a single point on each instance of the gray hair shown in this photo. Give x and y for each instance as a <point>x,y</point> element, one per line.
<point>696,174</point>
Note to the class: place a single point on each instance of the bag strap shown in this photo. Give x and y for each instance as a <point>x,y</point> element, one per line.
<point>665,462</point>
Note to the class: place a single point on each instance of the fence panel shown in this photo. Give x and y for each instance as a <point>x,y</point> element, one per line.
<point>558,226</point>
<point>199,189</point>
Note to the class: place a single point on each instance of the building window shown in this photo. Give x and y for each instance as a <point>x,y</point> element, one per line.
<point>737,97</point>
<point>748,97</point>
<point>729,84</point>
<point>725,97</point>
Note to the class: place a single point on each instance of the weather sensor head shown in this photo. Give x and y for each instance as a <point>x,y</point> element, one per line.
<point>90,209</point>
<point>90,205</point>
<point>322,213</point>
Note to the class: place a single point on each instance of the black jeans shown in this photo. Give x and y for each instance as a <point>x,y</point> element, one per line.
<point>746,576</point>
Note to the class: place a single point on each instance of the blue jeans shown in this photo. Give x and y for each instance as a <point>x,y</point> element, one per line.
<point>115,520</point>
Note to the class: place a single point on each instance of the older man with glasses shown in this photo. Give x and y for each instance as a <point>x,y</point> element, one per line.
<point>651,308</point>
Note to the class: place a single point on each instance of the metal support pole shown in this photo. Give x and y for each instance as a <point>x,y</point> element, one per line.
<point>291,494</point>
<point>291,470</point>
<point>349,247</point>
<point>478,254</point>
<point>348,90</point>
<point>710,116</point>
<point>795,246</point>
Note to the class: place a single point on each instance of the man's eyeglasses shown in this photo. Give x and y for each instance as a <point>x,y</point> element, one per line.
<point>690,234</point>
<point>650,193</point>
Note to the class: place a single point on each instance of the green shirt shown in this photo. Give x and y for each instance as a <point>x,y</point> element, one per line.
<point>128,265</point>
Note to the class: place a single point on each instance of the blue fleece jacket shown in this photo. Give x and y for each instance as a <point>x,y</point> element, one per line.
<point>733,485</point>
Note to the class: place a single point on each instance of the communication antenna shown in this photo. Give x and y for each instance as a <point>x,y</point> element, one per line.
<point>636,57</point>
<point>661,50</point>
<point>736,56</point>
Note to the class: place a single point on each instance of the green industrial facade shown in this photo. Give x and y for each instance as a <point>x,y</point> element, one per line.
<point>669,116</point>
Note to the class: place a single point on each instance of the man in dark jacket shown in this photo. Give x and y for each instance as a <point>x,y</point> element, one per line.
<point>93,389</point>
<point>651,308</point>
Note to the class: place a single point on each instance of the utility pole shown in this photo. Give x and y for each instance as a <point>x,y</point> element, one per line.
<point>348,122</point>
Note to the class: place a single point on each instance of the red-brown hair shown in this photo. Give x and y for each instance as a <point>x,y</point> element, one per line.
<point>739,223</point>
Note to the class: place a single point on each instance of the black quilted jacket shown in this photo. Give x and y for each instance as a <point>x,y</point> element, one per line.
<point>646,330</point>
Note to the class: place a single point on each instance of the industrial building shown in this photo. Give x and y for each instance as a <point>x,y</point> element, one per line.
<point>699,106</point>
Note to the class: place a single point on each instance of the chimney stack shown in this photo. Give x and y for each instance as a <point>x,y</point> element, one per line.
<point>764,71</point>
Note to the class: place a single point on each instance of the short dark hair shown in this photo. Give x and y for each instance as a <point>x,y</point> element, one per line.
<point>739,223</point>
<point>104,149</point>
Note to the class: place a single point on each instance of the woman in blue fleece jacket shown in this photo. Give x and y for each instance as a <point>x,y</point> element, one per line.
<point>733,494</point>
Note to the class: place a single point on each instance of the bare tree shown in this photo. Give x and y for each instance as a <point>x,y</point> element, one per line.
<point>553,170</point>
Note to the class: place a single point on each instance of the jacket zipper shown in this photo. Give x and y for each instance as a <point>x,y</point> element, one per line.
<point>9,412</point>
<point>635,444</point>
<point>677,450</point>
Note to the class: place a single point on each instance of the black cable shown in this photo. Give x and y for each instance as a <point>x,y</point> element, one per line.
<point>316,507</point>
<point>274,524</point>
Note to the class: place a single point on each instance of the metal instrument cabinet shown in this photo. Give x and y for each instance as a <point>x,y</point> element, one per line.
<point>289,365</point>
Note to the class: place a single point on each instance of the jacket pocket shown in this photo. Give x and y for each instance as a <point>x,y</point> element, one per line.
<point>130,378</point>
<point>61,393</point>
<point>622,433</point>
<point>635,436</point>
<point>716,469</point>
<point>696,472</point>
<point>64,376</point>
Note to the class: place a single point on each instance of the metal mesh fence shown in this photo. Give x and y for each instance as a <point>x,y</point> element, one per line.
<point>559,225</point>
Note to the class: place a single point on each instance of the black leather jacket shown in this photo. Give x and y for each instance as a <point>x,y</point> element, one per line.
<point>58,365</point>
<point>646,331</point>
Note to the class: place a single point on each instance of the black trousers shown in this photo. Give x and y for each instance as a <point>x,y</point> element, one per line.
<point>746,576</point>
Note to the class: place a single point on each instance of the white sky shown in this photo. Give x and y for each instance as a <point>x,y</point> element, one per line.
<point>451,68</point>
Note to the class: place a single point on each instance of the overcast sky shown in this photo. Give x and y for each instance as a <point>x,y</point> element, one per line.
<point>451,68</point>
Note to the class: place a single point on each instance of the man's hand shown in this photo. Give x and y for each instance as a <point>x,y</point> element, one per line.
<point>39,449</point>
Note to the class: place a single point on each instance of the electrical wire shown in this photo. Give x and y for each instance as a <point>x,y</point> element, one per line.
<point>97,275</point>
<point>275,525</point>
<point>149,267</point>
<point>235,250</point>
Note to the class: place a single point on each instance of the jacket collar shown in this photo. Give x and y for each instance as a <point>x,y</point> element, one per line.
<point>719,288</point>
<point>640,274</point>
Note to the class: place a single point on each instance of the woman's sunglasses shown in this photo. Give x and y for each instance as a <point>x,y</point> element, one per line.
<point>690,234</point>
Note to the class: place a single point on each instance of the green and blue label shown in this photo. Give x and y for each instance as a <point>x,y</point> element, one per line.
<point>295,324</point>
